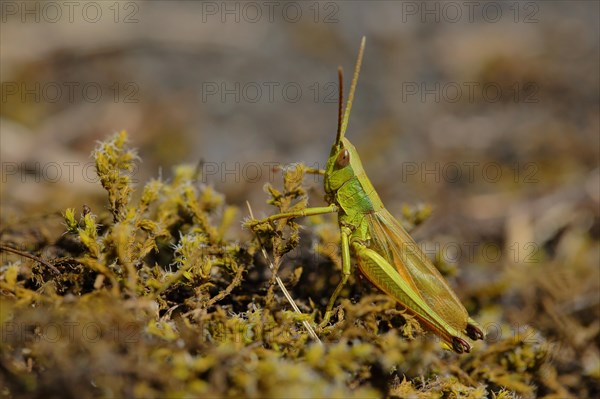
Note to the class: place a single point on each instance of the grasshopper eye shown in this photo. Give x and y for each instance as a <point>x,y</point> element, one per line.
<point>343,159</point>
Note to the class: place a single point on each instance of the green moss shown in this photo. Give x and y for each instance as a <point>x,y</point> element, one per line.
<point>153,300</point>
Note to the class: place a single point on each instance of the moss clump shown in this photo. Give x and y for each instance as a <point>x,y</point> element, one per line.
<point>150,299</point>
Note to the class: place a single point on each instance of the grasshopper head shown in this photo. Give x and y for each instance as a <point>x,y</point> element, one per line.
<point>344,162</point>
<point>342,165</point>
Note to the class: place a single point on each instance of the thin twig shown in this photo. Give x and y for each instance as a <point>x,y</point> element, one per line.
<point>287,295</point>
<point>234,283</point>
<point>30,256</point>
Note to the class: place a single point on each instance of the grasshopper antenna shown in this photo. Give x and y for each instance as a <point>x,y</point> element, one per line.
<point>352,89</point>
<point>338,137</point>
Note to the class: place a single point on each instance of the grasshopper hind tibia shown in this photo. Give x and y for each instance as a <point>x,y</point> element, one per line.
<point>460,345</point>
<point>474,332</point>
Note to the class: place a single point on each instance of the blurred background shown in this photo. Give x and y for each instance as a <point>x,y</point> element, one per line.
<point>486,111</point>
<point>472,108</point>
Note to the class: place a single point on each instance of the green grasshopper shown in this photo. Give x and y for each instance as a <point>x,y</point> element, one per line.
<point>387,255</point>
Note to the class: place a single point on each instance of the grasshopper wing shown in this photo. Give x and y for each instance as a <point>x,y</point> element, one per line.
<point>423,291</point>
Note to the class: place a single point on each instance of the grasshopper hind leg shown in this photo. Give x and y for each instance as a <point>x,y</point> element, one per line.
<point>474,332</point>
<point>460,345</point>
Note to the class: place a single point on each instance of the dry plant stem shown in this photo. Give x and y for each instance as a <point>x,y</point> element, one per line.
<point>274,266</point>
<point>237,280</point>
<point>287,295</point>
<point>27,255</point>
<point>234,283</point>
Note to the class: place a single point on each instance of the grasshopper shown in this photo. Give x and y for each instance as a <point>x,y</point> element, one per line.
<point>387,255</point>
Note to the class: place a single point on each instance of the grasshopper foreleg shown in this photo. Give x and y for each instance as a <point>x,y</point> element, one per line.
<point>320,210</point>
<point>346,270</point>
